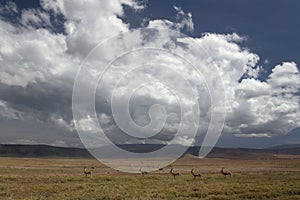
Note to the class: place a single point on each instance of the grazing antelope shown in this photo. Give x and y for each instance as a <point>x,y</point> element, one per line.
<point>143,172</point>
<point>86,172</point>
<point>225,173</point>
<point>195,175</point>
<point>174,174</point>
<point>160,168</point>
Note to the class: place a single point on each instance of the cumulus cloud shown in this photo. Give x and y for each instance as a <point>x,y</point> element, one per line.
<point>35,18</point>
<point>267,108</point>
<point>39,65</point>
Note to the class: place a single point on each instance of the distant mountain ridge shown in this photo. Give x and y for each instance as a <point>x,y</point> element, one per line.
<point>15,150</point>
<point>285,146</point>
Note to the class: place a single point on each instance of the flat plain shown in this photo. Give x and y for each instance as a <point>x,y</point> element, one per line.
<point>63,178</point>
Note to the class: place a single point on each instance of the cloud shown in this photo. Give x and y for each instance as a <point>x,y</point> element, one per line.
<point>285,76</point>
<point>184,22</point>
<point>267,108</point>
<point>36,18</point>
<point>185,19</point>
<point>10,8</point>
<point>89,22</point>
<point>8,112</point>
<point>38,68</point>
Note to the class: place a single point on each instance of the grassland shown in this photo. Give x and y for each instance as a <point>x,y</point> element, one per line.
<point>29,178</point>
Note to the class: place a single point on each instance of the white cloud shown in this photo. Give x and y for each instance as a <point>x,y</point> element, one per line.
<point>30,55</point>
<point>185,141</point>
<point>87,124</point>
<point>89,22</point>
<point>250,88</point>
<point>285,75</point>
<point>36,18</point>
<point>185,20</point>
<point>267,108</point>
<point>37,56</point>
<point>61,123</point>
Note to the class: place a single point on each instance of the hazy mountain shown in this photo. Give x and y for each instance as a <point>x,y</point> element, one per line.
<point>15,150</point>
<point>286,146</point>
<point>232,153</point>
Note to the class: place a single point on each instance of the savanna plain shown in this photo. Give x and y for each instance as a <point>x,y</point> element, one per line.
<point>63,178</point>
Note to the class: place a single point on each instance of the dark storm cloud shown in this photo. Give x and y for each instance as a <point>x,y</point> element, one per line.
<point>41,99</point>
<point>33,131</point>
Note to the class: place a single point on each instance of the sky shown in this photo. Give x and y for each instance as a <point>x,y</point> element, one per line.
<point>237,73</point>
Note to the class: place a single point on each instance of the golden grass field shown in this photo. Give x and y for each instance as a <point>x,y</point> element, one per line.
<point>58,178</point>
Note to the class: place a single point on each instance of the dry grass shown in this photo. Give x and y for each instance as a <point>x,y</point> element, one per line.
<point>27,178</point>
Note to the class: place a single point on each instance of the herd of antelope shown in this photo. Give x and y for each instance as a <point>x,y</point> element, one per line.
<point>195,175</point>
<point>174,174</point>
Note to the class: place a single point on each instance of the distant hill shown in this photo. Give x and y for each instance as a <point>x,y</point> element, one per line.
<point>234,153</point>
<point>14,150</point>
<point>286,146</point>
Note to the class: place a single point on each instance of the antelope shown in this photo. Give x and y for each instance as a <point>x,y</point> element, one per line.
<point>160,168</point>
<point>174,174</point>
<point>225,173</point>
<point>195,175</point>
<point>86,172</point>
<point>143,172</point>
